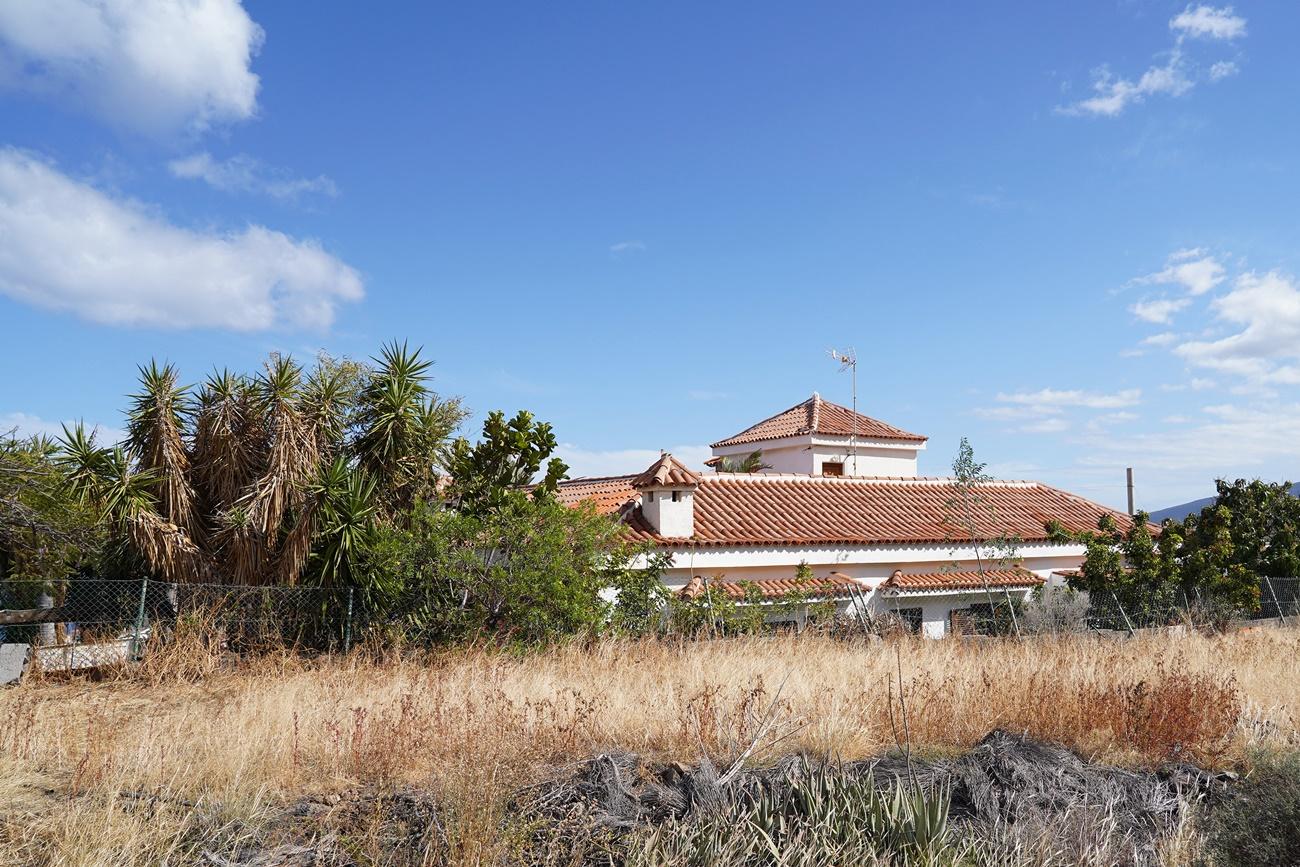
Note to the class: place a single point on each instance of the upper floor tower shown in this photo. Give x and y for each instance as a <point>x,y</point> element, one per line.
<point>820,438</point>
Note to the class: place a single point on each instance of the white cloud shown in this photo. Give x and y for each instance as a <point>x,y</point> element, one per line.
<point>1015,413</point>
<point>1266,308</point>
<point>67,246</point>
<point>1108,419</point>
<point>1229,440</point>
<point>1223,69</point>
<point>1049,397</point>
<point>1193,270</point>
<point>1052,424</point>
<point>25,424</point>
<point>1208,22</point>
<point>1195,384</point>
<point>1114,94</point>
<point>627,247</point>
<point>155,66</point>
<point>619,462</point>
<point>1176,76</point>
<point>1165,338</point>
<point>246,174</point>
<point>1159,310</point>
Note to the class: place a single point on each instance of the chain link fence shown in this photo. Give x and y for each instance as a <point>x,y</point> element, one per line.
<point>84,623</point>
<point>1279,600</point>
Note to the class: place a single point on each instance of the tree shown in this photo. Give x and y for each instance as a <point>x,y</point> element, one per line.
<point>531,570</point>
<point>1215,559</point>
<point>1139,570</point>
<point>976,519</point>
<point>261,479</point>
<point>501,465</point>
<point>750,463</point>
<point>1250,532</point>
<point>642,600</point>
<point>44,530</point>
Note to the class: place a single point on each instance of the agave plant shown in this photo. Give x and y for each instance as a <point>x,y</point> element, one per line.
<point>825,819</point>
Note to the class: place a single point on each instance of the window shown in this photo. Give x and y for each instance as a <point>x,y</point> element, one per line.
<point>675,494</point>
<point>833,468</point>
<point>911,618</point>
<point>651,494</point>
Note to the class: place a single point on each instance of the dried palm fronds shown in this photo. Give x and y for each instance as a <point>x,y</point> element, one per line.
<point>155,438</point>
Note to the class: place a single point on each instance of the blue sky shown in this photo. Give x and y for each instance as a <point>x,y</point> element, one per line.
<point>1066,231</point>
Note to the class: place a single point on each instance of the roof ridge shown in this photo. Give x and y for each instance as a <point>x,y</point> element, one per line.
<point>818,416</point>
<point>845,480</point>
<point>761,422</point>
<point>664,471</point>
<point>588,479</point>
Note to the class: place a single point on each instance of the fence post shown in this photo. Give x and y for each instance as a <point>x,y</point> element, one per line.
<point>1122,613</point>
<point>1011,609</point>
<point>139,618</point>
<point>347,627</point>
<point>1276,604</point>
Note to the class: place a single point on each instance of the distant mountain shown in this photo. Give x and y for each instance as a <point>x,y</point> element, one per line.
<point>1184,509</point>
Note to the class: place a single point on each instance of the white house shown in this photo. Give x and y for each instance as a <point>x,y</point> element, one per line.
<point>839,492</point>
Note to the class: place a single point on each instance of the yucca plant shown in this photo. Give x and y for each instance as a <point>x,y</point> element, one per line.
<point>238,481</point>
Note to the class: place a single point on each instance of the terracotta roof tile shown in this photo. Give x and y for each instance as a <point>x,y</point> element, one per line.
<point>833,587</point>
<point>609,493</point>
<point>666,472</point>
<point>817,416</point>
<point>763,509</point>
<point>932,581</point>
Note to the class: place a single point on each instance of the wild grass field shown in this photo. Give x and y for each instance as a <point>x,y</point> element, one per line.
<point>167,762</point>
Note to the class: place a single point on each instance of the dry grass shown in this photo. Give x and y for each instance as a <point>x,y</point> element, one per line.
<point>203,760</point>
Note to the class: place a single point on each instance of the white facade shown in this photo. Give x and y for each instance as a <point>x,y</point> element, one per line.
<point>805,455</point>
<point>871,566</point>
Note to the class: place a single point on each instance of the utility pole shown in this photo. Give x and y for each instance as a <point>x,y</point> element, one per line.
<point>849,361</point>
<point>1129,472</point>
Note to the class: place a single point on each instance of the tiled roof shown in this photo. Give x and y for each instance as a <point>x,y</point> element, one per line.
<point>817,416</point>
<point>834,587</point>
<point>609,493</point>
<point>666,472</point>
<point>767,509</point>
<point>932,581</point>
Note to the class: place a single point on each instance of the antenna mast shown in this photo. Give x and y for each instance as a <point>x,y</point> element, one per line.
<point>849,361</point>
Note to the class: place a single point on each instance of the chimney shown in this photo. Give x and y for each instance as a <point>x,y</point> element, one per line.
<point>668,497</point>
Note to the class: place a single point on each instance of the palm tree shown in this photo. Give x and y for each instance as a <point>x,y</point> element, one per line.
<point>750,463</point>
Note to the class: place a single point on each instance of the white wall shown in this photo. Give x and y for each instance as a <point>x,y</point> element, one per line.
<point>805,455</point>
<point>673,519</point>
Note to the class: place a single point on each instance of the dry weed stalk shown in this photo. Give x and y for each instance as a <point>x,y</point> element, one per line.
<point>475,725</point>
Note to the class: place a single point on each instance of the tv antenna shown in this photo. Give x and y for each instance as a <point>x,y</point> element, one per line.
<point>848,360</point>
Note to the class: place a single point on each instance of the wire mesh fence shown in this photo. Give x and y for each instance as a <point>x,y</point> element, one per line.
<point>84,622</point>
<point>1279,600</point>
<point>90,622</point>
